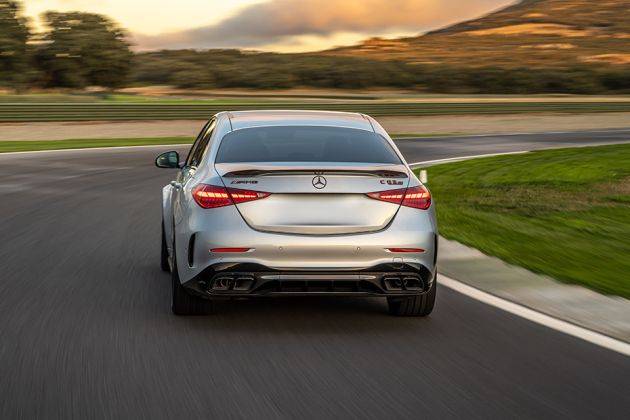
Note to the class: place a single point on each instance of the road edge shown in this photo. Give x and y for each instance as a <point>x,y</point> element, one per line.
<point>612,332</point>
<point>536,316</point>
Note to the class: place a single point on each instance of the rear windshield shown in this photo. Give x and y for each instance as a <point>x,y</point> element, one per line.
<point>305,144</point>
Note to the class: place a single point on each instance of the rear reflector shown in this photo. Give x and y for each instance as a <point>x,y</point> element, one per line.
<point>231,249</point>
<point>417,197</point>
<point>417,250</point>
<point>211,196</point>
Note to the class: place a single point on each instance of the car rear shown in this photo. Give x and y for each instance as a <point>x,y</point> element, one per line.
<point>302,209</point>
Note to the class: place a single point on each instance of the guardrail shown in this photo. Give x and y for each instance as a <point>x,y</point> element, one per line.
<point>17,112</point>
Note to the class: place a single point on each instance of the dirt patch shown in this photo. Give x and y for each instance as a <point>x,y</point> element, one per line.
<point>440,125</point>
<point>492,124</point>
<point>607,58</point>
<point>99,130</point>
<point>533,29</point>
<point>533,199</point>
<point>616,188</point>
<point>560,46</point>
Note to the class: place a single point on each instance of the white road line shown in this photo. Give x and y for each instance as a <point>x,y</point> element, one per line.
<point>93,149</point>
<point>523,133</point>
<point>457,159</point>
<point>537,317</point>
<point>98,149</point>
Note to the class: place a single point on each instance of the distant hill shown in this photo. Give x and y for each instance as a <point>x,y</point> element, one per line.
<point>530,33</point>
<point>533,46</point>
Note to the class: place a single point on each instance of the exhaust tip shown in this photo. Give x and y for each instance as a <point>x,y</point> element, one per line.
<point>393,283</point>
<point>243,283</point>
<point>411,283</point>
<point>223,283</point>
<point>238,283</point>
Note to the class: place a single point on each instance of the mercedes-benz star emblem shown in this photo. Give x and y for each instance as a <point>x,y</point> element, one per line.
<point>319,182</point>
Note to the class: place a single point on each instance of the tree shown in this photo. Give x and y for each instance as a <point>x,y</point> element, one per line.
<point>84,49</point>
<point>13,51</point>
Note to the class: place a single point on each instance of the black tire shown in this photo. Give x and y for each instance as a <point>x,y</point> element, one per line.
<point>164,265</point>
<point>421,305</point>
<point>185,303</point>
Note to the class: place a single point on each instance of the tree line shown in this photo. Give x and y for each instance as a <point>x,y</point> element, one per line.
<point>78,50</point>
<point>234,69</point>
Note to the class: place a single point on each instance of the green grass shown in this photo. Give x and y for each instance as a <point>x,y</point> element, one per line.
<point>173,109</point>
<point>564,213</point>
<point>23,146</point>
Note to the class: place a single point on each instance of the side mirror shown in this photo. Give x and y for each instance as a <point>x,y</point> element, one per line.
<point>168,160</point>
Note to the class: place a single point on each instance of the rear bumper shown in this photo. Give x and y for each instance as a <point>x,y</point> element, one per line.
<point>252,280</point>
<point>205,231</point>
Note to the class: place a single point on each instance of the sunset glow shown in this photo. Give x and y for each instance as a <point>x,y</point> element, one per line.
<point>274,25</point>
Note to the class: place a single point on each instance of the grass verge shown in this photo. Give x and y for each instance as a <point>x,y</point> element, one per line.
<point>564,213</point>
<point>28,145</point>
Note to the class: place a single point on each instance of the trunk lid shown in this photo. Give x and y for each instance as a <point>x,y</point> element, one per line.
<point>315,199</point>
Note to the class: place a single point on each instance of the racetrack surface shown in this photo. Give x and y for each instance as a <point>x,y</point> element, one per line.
<point>86,329</point>
<point>425,149</point>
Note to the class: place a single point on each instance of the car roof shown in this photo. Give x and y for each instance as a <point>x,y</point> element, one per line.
<point>250,119</point>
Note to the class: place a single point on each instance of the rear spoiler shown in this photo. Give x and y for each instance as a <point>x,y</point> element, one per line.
<point>380,173</point>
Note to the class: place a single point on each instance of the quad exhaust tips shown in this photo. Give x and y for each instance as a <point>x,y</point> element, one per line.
<point>236,283</point>
<point>393,283</point>
<point>244,283</point>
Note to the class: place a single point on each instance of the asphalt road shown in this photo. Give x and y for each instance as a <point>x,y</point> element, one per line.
<point>86,330</point>
<point>443,148</point>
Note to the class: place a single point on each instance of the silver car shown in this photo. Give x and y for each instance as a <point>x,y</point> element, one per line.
<point>294,203</point>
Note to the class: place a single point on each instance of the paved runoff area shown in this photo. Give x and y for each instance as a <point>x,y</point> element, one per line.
<point>609,315</point>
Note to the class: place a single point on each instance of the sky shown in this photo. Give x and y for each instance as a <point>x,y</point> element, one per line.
<point>270,25</point>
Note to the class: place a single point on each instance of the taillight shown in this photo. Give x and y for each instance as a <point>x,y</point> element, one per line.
<point>391,196</point>
<point>417,197</point>
<point>211,196</point>
<point>243,196</point>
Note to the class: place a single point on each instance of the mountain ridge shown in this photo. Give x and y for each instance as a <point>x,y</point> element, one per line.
<point>530,33</point>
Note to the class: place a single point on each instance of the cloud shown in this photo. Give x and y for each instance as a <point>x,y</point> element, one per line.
<point>276,20</point>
